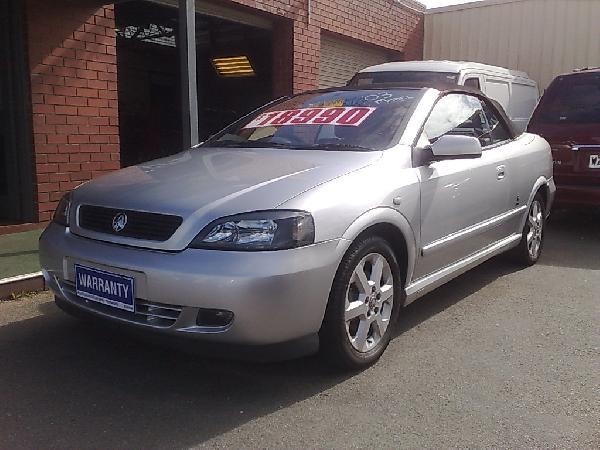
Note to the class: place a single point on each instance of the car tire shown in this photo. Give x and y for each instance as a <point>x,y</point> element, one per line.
<point>362,309</point>
<point>529,250</point>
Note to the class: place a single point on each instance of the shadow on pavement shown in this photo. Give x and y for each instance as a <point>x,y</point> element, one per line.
<point>573,239</point>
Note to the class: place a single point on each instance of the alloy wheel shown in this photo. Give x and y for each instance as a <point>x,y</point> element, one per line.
<point>536,229</point>
<point>369,302</point>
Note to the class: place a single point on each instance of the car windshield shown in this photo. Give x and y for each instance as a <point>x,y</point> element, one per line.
<point>571,99</point>
<point>373,78</point>
<point>348,120</point>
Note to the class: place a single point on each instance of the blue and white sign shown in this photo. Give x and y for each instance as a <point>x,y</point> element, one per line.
<point>105,287</point>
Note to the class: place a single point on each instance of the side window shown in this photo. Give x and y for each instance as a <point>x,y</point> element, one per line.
<point>473,82</point>
<point>457,114</point>
<point>465,115</point>
<point>498,131</point>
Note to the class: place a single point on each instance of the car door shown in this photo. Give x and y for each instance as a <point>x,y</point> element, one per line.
<point>460,198</point>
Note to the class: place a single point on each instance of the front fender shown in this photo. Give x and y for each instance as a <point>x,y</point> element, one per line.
<point>384,215</point>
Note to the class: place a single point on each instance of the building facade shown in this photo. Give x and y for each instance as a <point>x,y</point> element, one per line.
<point>544,38</point>
<point>92,87</point>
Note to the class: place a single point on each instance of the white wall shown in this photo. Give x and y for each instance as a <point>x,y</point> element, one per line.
<point>541,37</point>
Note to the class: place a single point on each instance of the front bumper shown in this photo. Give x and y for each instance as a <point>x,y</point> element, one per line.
<point>275,297</point>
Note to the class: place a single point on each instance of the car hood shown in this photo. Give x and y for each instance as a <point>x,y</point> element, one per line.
<point>201,185</point>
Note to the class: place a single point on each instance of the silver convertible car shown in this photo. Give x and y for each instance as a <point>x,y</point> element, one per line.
<point>306,225</point>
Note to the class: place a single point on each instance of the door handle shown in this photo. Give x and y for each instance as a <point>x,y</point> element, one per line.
<point>501,172</point>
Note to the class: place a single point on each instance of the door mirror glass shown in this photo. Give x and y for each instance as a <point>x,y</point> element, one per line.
<point>456,147</point>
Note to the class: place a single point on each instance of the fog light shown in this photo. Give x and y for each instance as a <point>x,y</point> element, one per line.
<point>214,318</point>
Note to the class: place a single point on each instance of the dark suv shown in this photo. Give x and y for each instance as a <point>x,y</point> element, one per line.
<point>568,117</point>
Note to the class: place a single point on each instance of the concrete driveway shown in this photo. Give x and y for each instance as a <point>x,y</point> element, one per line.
<point>500,357</point>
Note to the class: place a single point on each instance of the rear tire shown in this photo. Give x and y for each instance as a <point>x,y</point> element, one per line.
<point>529,250</point>
<point>363,306</point>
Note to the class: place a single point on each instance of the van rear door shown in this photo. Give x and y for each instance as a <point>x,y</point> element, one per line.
<point>568,117</point>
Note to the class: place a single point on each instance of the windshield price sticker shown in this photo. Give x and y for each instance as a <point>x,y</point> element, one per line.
<point>338,116</point>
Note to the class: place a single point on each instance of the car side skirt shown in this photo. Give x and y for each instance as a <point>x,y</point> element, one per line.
<point>422,286</point>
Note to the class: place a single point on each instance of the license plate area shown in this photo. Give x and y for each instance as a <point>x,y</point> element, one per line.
<point>594,161</point>
<point>107,288</point>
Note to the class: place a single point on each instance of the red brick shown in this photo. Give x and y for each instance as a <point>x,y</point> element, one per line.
<point>86,92</point>
<point>91,166</point>
<point>58,177</point>
<point>106,40</point>
<point>85,37</point>
<point>53,119</point>
<point>65,90</point>
<point>77,120</point>
<point>108,112</point>
<point>66,129</point>
<point>99,121</point>
<point>88,129</point>
<point>58,158</point>
<point>107,76</point>
<point>44,217</point>
<point>95,29</point>
<point>100,157</point>
<point>55,196</point>
<point>46,168</point>
<point>111,165</point>
<point>98,66</point>
<point>79,157</point>
<point>100,139</point>
<point>69,148</point>
<point>39,88</point>
<point>57,139</point>
<point>79,139</point>
<point>99,102</point>
<point>42,109</point>
<point>91,148</point>
<point>98,84</point>
<point>55,100</point>
<point>96,48</point>
<point>76,63</point>
<point>76,82</point>
<point>77,101</point>
<point>102,21</point>
<point>81,176</point>
<point>69,110</point>
<point>87,74</point>
<point>48,187</point>
<point>69,185</point>
<point>72,43</point>
<point>70,167</point>
<point>89,111</point>
<point>40,138</point>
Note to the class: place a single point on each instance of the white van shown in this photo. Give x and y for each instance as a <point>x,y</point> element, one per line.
<point>514,90</point>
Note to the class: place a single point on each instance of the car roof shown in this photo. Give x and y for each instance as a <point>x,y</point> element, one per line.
<point>442,66</point>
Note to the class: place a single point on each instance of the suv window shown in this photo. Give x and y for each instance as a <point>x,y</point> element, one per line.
<point>465,115</point>
<point>473,82</point>
<point>571,99</point>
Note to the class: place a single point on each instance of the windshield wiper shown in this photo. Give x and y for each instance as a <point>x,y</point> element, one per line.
<point>246,144</point>
<point>350,147</point>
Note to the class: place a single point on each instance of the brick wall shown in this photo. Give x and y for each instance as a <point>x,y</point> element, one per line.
<point>74,97</point>
<point>386,23</point>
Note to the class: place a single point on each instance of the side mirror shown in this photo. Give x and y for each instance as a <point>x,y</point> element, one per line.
<point>456,147</point>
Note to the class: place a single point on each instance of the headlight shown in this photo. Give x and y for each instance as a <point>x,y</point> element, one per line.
<point>61,214</point>
<point>258,231</point>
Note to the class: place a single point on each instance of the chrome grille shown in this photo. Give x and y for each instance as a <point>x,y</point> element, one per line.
<point>139,225</point>
<point>148,313</point>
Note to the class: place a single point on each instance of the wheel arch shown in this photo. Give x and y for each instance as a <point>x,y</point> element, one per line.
<point>394,228</point>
